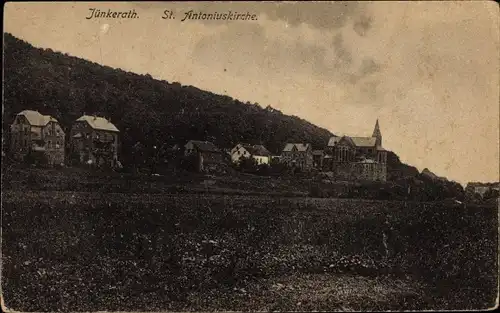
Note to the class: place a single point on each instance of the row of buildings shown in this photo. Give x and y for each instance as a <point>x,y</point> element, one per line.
<point>345,157</point>
<point>94,141</point>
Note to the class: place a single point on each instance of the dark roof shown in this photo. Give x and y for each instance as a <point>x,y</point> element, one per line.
<point>333,140</point>
<point>356,141</point>
<point>258,150</point>
<point>364,141</point>
<point>300,146</point>
<point>205,146</point>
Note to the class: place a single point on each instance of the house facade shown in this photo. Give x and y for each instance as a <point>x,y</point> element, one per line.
<point>318,157</point>
<point>258,152</point>
<point>208,156</point>
<point>357,158</point>
<point>32,131</point>
<point>298,155</point>
<point>482,188</point>
<point>94,142</point>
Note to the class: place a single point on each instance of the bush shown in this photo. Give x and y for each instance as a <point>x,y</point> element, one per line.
<point>318,190</point>
<point>277,167</point>
<point>37,158</point>
<point>247,165</point>
<point>491,194</point>
<point>263,169</point>
<point>189,162</point>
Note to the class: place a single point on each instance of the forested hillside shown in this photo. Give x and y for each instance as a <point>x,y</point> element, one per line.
<point>147,111</point>
<point>153,112</point>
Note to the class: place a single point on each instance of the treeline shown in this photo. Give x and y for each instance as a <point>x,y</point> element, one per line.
<point>410,188</point>
<point>149,112</point>
<point>155,117</point>
<point>489,196</point>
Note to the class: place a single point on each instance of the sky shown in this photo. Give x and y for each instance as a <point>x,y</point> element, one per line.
<point>429,71</point>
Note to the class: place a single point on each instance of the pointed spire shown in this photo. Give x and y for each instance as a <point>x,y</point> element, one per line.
<point>376,130</point>
<point>377,134</point>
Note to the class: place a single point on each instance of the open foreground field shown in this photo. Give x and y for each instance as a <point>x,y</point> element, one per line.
<point>73,250</point>
<point>78,179</point>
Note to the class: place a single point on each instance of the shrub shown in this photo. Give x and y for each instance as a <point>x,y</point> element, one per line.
<point>189,162</point>
<point>38,158</point>
<point>491,194</point>
<point>247,165</point>
<point>277,167</point>
<point>263,169</point>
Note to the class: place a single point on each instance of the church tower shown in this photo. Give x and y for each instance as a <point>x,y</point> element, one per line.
<point>377,134</point>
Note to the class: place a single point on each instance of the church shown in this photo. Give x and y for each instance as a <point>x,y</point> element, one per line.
<point>356,158</point>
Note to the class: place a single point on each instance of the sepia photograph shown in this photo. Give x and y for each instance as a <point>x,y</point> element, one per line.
<point>250,156</point>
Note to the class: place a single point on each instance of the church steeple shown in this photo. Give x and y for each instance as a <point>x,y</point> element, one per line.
<point>377,134</point>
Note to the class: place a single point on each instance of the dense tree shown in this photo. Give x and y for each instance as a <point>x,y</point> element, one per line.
<point>146,110</point>
<point>491,194</point>
<point>190,162</point>
<point>152,115</point>
<point>247,165</point>
<point>37,158</point>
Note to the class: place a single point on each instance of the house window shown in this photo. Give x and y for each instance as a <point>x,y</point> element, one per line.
<point>49,144</point>
<point>342,154</point>
<point>57,144</point>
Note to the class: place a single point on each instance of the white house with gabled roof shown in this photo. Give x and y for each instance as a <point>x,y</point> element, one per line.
<point>258,152</point>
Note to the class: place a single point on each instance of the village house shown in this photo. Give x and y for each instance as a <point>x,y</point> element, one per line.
<point>298,155</point>
<point>258,152</point>
<point>357,158</point>
<point>318,156</point>
<point>32,131</point>
<point>275,159</point>
<point>208,156</point>
<point>482,188</point>
<point>94,141</point>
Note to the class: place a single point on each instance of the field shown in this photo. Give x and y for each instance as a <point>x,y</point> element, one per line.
<point>75,179</point>
<point>79,250</point>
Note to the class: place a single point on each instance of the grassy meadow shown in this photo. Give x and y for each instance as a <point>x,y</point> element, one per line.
<point>65,247</point>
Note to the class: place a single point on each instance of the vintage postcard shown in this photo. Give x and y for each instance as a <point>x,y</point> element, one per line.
<point>250,156</point>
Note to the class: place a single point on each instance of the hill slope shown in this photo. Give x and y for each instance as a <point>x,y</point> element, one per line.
<point>151,111</point>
